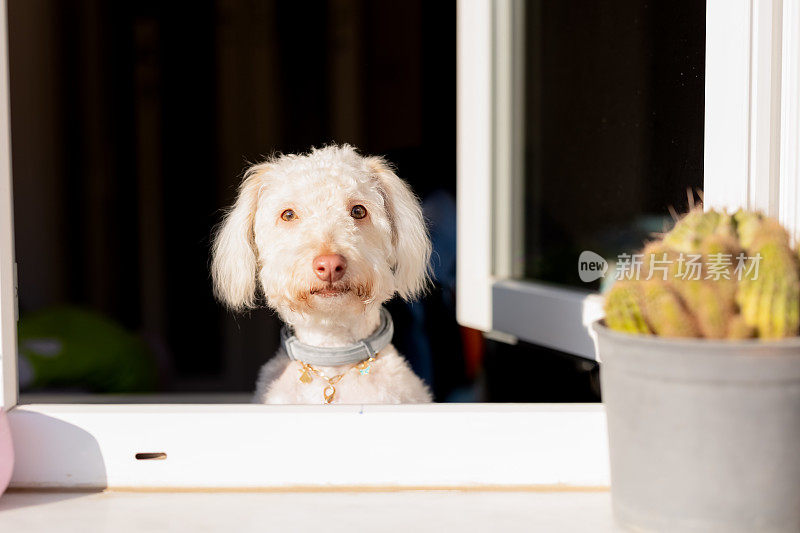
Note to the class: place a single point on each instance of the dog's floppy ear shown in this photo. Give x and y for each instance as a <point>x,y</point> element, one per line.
<point>234,262</point>
<point>412,246</point>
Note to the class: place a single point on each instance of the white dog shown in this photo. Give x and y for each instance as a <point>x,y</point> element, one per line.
<point>328,237</point>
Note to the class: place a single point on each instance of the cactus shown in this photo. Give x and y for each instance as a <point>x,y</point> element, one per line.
<point>623,312</point>
<point>769,300</point>
<point>728,295</point>
<point>691,230</point>
<point>665,312</point>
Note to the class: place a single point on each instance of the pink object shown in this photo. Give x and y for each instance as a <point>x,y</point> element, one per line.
<point>330,267</point>
<point>6,452</point>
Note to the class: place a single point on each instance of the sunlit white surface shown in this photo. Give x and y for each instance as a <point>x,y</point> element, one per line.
<point>417,511</point>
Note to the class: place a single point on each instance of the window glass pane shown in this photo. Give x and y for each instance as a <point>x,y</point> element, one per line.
<point>613,135</point>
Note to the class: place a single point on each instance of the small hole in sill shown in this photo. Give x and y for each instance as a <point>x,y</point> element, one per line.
<point>151,456</point>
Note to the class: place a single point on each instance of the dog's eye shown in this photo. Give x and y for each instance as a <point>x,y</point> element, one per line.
<point>358,211</point>
<point>288,215</point>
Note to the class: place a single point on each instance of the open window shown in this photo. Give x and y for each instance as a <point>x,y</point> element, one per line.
<point>595,122</point>
<point>521,101</point>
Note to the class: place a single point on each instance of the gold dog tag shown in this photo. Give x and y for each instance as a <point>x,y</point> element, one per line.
<point>328,393</point>
<point>305,377</point>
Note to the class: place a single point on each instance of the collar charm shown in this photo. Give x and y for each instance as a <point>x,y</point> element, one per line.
<point>307,373</point>
<point>361,355</point>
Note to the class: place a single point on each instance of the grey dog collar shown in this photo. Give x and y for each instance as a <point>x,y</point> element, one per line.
<point>345,355</point>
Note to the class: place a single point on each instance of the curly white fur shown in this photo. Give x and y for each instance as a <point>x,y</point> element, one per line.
<point>387,253</point>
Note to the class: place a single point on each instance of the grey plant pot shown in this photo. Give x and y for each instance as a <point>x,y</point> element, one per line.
<point>703,435</point>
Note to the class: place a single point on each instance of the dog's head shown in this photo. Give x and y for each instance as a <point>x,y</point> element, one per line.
<point>326,232</point>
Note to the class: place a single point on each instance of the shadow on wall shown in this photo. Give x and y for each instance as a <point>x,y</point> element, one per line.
<point>80,464</point>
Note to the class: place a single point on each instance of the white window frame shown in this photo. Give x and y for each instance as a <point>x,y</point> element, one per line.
<point>348,446</point>
<point>283,447</point>
<point>752,156</point>
<point>8,283</point>
<point>490,111</point>
<point>752,139</point>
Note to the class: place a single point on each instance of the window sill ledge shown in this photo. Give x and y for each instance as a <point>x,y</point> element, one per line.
<point>245,446</point>
<point>337,511</point>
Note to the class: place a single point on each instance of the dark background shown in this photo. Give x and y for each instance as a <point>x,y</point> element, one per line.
<point>133,120</point>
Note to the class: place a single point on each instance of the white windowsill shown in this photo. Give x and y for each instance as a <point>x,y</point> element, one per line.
<point>246,446</point>
<point>332,512</point>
